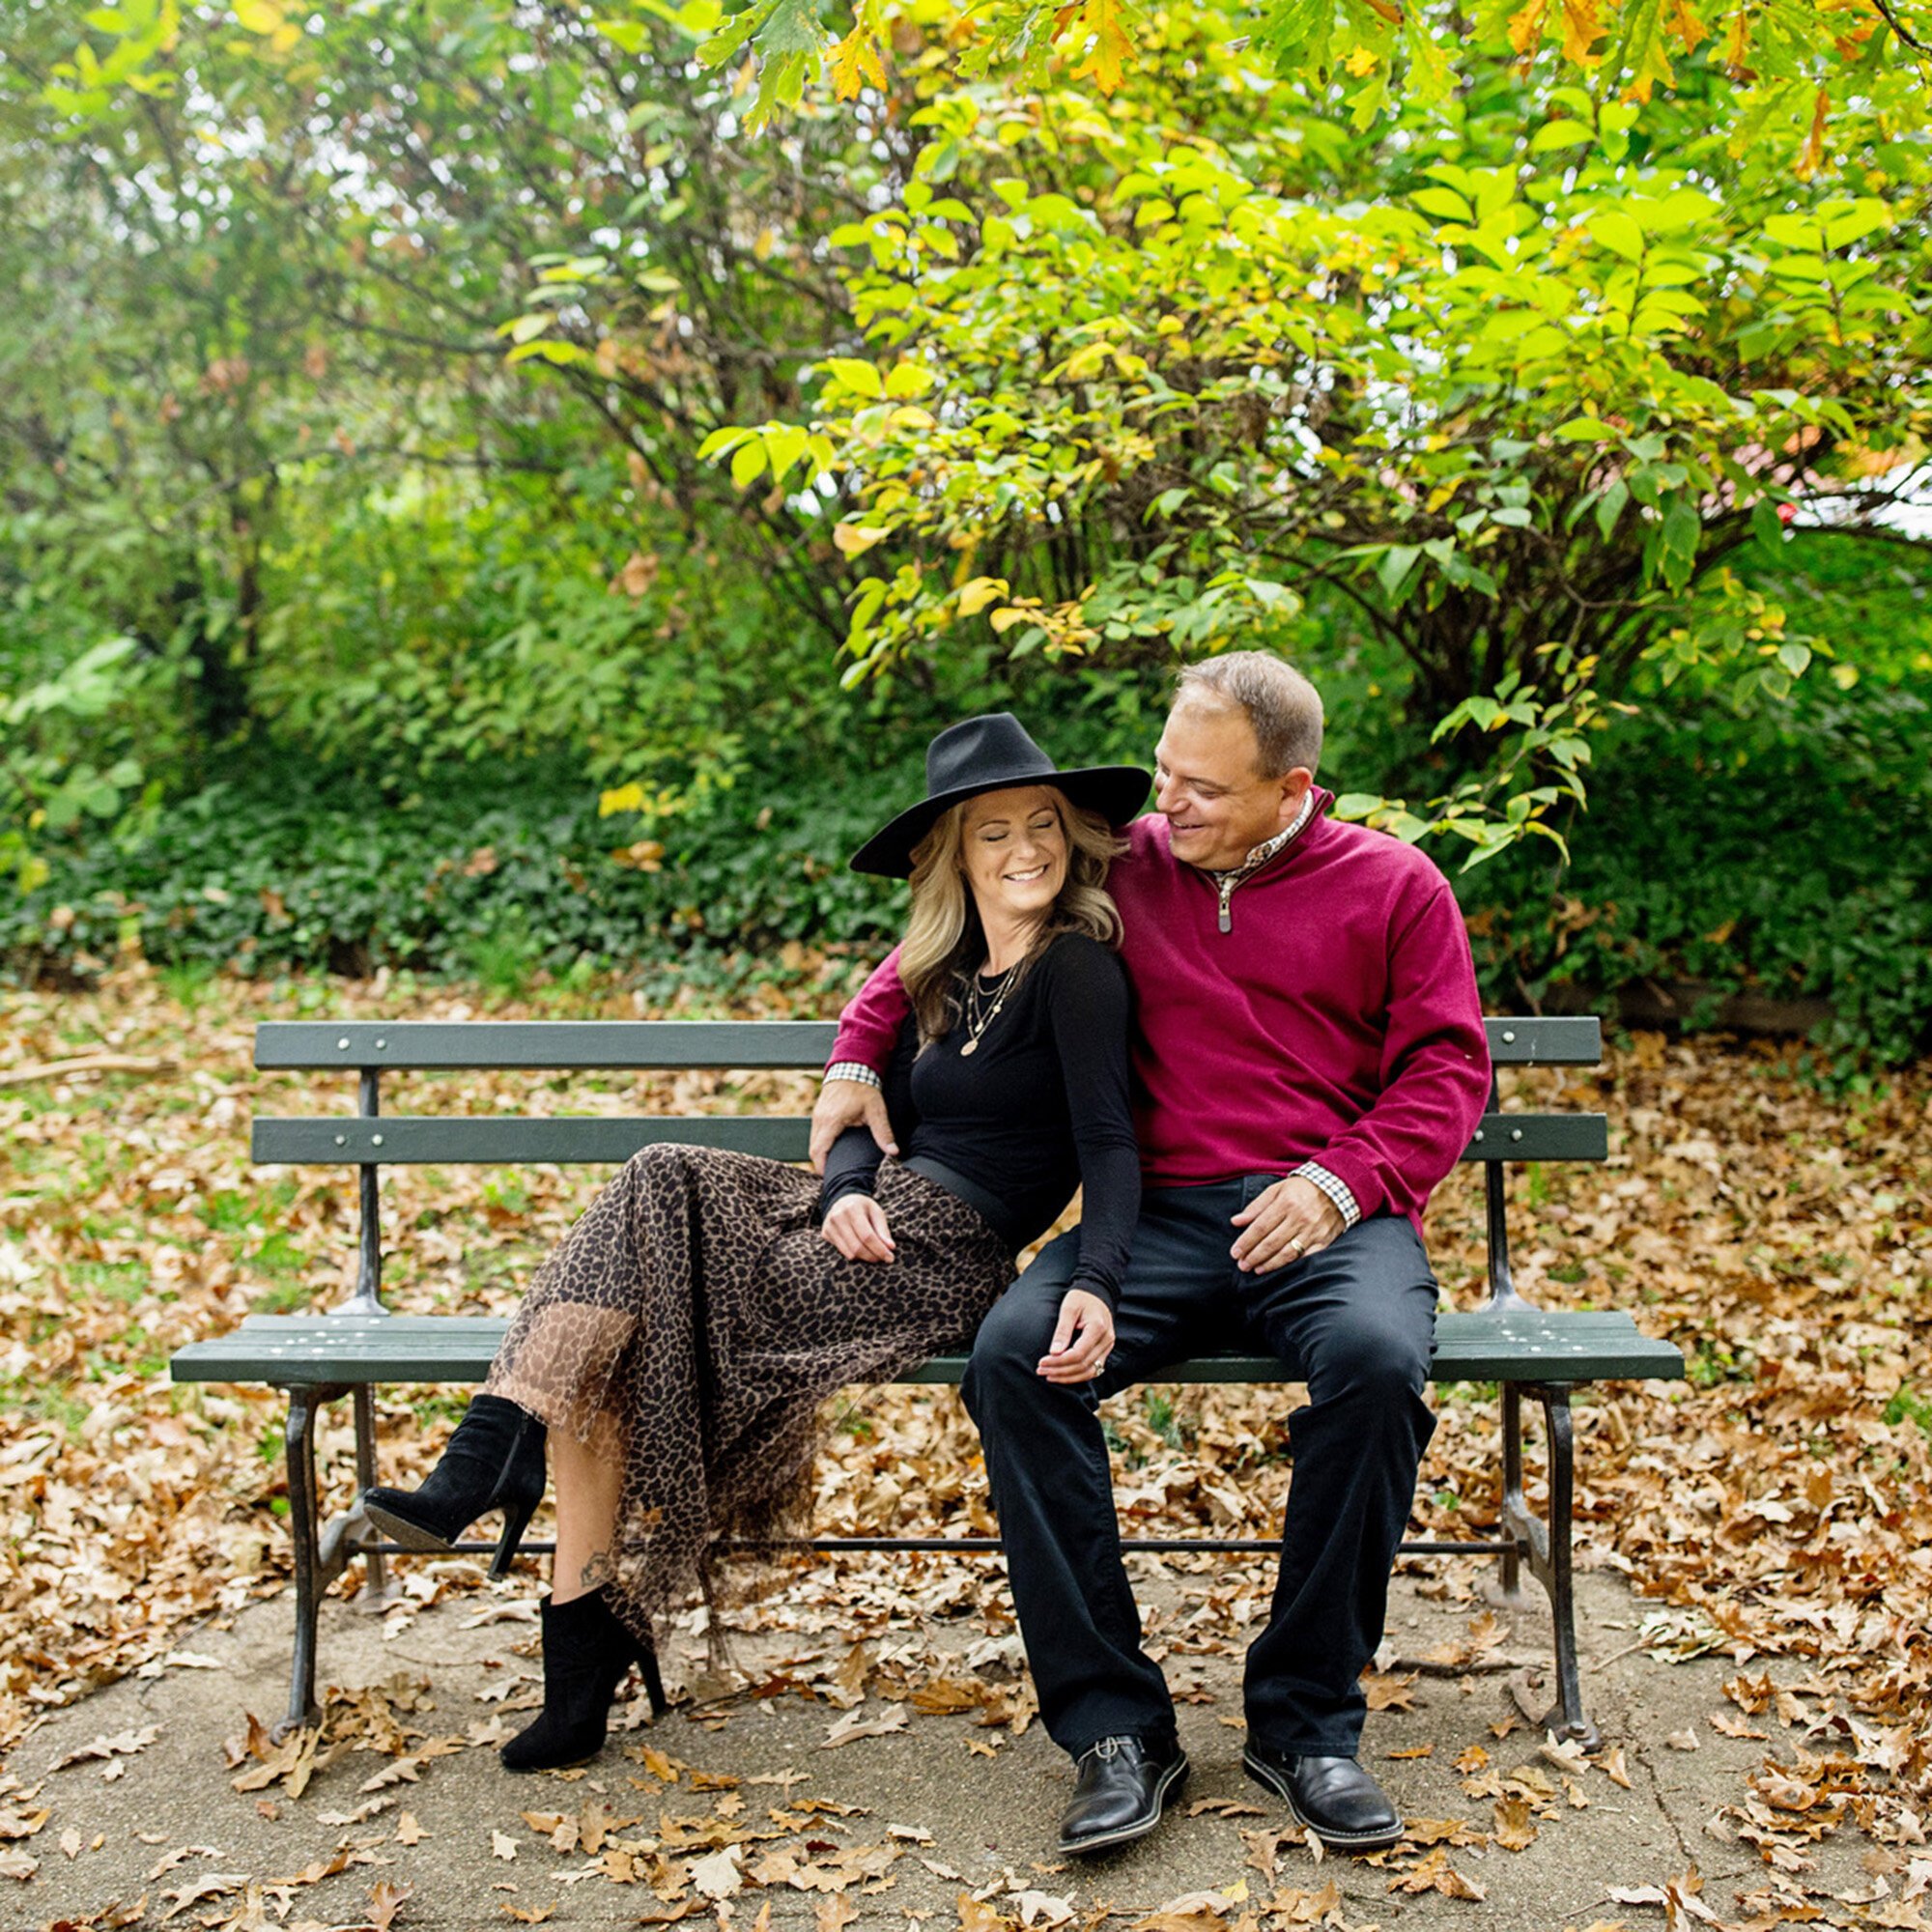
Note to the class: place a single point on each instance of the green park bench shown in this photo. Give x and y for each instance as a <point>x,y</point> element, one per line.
<point>1531,1353</point>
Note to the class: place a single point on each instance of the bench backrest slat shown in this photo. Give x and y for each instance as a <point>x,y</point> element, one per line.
<point>630,1044</point>
<point>410,1141</point>
<point>671,1045</point>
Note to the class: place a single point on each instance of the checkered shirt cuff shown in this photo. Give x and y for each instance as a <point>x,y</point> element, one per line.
<point>1335,1187</point>
<point>857,1070</point>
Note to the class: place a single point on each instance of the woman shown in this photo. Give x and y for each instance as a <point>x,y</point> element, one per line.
<point>678,1341</point>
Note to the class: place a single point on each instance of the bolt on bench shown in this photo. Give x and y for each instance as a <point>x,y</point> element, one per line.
<point>1537,1354</point>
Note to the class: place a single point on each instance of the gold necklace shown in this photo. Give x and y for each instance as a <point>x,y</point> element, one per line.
<point>978,1023</point>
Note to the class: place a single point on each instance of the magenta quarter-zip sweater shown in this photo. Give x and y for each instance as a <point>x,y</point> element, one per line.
<point>1335,1019</point>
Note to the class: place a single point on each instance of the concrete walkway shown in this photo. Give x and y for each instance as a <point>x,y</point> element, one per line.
<point>728,1811</point>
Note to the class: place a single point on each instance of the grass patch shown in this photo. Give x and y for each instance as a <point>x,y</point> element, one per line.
<point>1714,1362</point>
<point>126,1282</point>
<point>1909,1405</point>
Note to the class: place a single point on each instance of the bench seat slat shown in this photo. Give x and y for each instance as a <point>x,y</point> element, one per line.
<point>642,1045</point>
<point>521,1140</point>
<point>1522,1345</point>
<point>517,1140</point>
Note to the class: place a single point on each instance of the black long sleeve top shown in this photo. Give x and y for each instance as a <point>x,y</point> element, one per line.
<point>1038,1109</point>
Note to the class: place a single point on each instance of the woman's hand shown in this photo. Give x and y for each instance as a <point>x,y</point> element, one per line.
<point>1083,1337</point>
<point>855,1226</point>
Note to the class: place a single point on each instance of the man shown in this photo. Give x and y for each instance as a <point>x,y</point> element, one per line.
<point>1310,1061</point>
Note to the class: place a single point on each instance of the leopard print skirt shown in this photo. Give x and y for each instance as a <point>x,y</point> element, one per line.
<point>692,1322</point>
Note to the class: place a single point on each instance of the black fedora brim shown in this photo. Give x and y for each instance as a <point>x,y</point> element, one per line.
<point>1116,792</point>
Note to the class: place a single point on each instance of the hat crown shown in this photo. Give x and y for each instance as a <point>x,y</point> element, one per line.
<point>991,750</point>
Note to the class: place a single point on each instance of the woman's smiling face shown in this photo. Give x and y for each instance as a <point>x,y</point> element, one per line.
<point>1013,851</point>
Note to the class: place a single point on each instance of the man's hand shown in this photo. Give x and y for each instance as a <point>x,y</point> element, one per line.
<point>1285,1224</point>
<point>855,1226</point>
<point>1083,1337</point>
<point>849,1103</point>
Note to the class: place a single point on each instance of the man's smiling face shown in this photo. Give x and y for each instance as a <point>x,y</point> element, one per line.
<point>1208,785</point>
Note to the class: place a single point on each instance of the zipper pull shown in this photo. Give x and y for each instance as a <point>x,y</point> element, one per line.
<point>1227,916</point>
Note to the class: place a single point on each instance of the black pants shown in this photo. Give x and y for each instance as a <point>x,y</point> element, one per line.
<point>1356,1323</point>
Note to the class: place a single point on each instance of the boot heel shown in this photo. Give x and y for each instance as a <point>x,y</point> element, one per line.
<point>515,1520</point>
<point>654,1689</point>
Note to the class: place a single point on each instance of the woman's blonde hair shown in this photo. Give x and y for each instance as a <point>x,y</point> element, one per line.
<point>944,940</point>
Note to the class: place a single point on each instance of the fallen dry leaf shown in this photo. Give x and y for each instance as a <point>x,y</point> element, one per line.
<point>856,1724</point>
<point>123,1743</point>
<point>1514,1830</point>
<point>1435,1874</point>
<point>835,1914</point>
<point>974,1915</point>
<point>386,1901</point>
<point>720,1876</point>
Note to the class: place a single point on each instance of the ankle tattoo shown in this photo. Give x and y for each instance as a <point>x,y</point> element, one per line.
<point>598,1571</point>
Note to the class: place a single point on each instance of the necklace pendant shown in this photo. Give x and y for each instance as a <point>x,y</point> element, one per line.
<point>971,1046</point>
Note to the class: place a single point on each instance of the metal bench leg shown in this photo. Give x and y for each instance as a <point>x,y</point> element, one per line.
<point>1567,1720</point>
<point>300,1448</point>
<point>1509,1584</point>
<point>1545,1543</point>
<point>375,1573</point>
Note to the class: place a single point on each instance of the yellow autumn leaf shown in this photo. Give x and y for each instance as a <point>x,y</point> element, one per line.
<point>1813,155</point>
<point>852,539</point>
<point>1643,50</point>
<point>626,798</point>
<point>855,61</point>
<point>1691,30</point>
<point>1361,61</point>
<point>1526,29</point>
<point>1737,42</point>
<point>1583,25</point>
<point>260,16</point>
<point>1113,45</point>
<point>974,597</point>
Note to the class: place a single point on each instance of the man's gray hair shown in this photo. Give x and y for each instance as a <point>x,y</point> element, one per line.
<point>1281,704</point>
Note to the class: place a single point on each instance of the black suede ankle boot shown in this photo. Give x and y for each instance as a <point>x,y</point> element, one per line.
<point>586,1652</point>
<point>493,1461</point>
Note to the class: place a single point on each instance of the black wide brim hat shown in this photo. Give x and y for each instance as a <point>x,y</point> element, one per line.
<point>988,754</point>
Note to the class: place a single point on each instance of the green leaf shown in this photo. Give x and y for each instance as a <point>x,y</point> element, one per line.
<point>1397,560</point>
<point>1445,203</point>
<point>1617,232</point>
<point>1681,529</point>
<point>1610,506</point>
<point>862,379</point>
<point>749,463</point>
<point>1559,134</point>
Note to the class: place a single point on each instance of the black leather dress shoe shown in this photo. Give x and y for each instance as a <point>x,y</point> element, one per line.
<point>1332,1797</point>
<point>1124,1784</point>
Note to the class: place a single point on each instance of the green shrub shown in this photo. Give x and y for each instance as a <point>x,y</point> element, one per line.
<point>1789,855</point>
